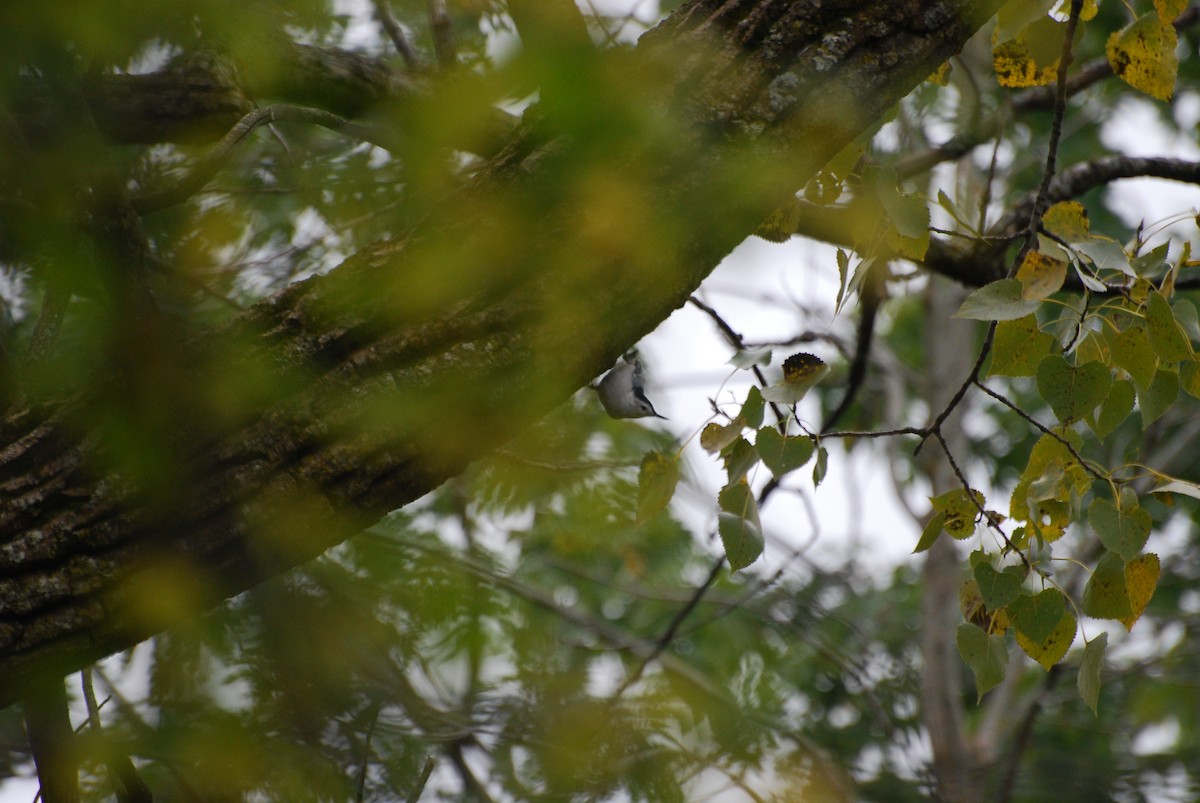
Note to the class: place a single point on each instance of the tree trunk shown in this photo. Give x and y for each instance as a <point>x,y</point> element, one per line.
<point>392,388</point>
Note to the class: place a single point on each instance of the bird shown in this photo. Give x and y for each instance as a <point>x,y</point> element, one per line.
<point>622,391</point>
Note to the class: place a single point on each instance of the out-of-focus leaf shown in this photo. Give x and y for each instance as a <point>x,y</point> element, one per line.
<point>1088,681</point>
<point>657,478</point>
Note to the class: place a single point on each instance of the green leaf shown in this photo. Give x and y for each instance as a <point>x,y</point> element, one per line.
<point>1051,650</point>
<point>783,454</point>
<point>1189,378</point>
<point>752,409</point>
<point>1116,408</point>
<point>1132,353</point>
<point>1157,398</point>
<point>1037,615</point>
<point>960,511</point>
<point>657,479</point>
<point>1072,392</point>
<point>1179,487</point>
<point>715,438</point>
<point>1018,347</point>
<point>739,525</point>
<point>997,588</point>
<point>1166,335</point>
<point>1088,681</point>
<point>820,467</point>
<point>931,532</point>
<point>1105,596</point>
<point>1123,529</point>
<point>998,301</point>
<point>739,457</point>
<point>984,654</point>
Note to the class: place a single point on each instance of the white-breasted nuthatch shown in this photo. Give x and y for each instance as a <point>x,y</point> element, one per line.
<point>622,391</point>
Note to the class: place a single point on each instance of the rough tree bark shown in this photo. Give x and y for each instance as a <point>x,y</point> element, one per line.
<point>767,92</point>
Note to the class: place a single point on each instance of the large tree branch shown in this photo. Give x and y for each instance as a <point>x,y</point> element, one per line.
<point>375,386</point>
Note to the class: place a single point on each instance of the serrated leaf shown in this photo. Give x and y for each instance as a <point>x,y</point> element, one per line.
<point>998,301</point>
<point>739,526</point>
<point>1040,275</point>
<point>1088,681</point>
<point>996,588</point>
<point>1019,345</point>
<point>1072,392</point>
<point>657,480</point>
<point>1167,339</point>
<point>739,457</point>
<point>752,409</point>
<point>783,454</point>
<point>820,467</point>
<point>801,372</point>
<point>1051,650</point>
<point>985,655</point>
<point>1018,62</point>
<point>714,438</point>
<point>1143,55</point>
<point>1068,220</point>
<point>1037,615</point>
<point>1116,408</point>
<point>1158,397</point>
<point>1141,578</point>
<point>1122,529</point>
<point>1105,596</point>
<point>931,532</point>
<point>960,511</point>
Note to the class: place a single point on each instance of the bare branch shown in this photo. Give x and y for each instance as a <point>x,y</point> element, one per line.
<point>207,167</point>
<point>443,35</point>
<point>391,26</point>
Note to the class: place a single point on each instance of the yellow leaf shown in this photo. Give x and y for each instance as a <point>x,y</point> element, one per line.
<point>1067,220</point>
<point>1143,56</point>
<point>1141,578</point>
<point>1040,275</point>
<point>941,76</point>
<point>1051,650</point>
<point>1168,10</point>
<point>1016,68</point>
<point>1088,12</point>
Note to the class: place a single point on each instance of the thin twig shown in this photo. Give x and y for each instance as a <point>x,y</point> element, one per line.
<point>1035,216</point>
<point>215,159</point>
<point>664,640</point>
<point>1044,429</point>
<point>414,794</point>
